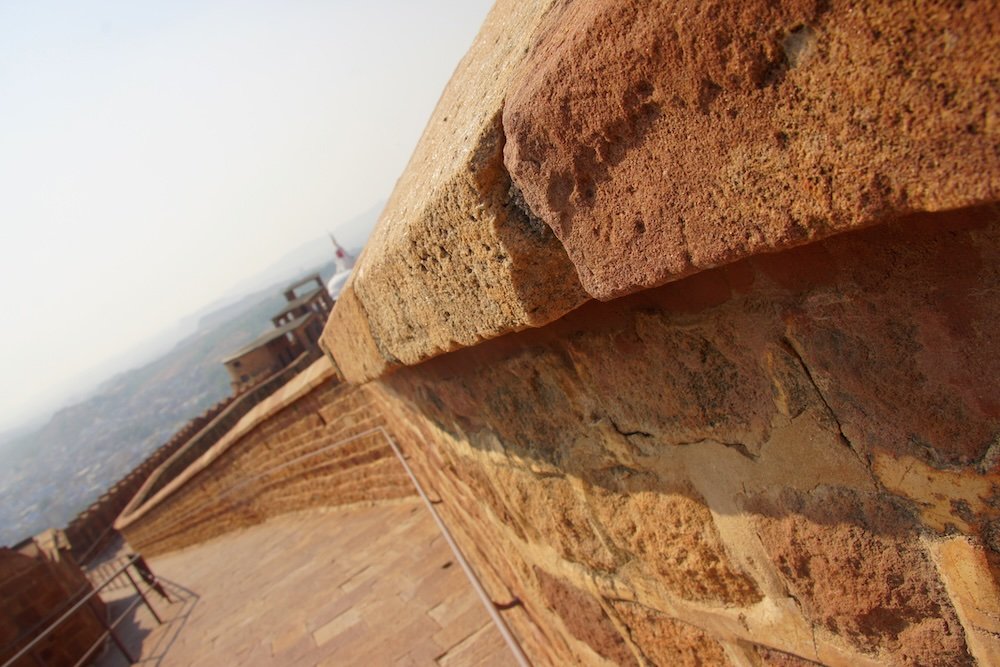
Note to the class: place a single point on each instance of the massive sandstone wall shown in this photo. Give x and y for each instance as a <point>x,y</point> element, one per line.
<point>39,582</point>
<point>314,443</point>
<point>776,440</point>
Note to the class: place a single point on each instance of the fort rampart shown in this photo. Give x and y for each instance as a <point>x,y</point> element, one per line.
<point>312,443</point>
<point>92,529</point>
<point>688,314</point>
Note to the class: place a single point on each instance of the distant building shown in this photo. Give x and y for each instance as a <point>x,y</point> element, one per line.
<point>343,262</point>
<point>297,328</point>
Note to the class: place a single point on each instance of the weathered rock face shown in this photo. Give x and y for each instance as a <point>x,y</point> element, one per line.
<point>680,449</point>
<point>661,138</point>
<point>455,258</point>
<point>850,562</point>
<point>780,446</point>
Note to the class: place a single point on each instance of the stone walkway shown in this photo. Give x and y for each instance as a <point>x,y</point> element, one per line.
<point>370,586</point>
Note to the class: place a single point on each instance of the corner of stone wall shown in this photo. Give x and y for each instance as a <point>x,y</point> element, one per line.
<point>455,259</point>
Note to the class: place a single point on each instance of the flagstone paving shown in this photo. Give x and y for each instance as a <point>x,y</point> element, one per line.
<point>366,586</point>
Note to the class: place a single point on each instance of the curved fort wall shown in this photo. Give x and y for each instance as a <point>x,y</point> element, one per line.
<point>92,529</point>
<point>311,443</point>
<point>687,313</point>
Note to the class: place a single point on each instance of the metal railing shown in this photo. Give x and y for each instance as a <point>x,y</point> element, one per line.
<point>145,574</point>
<point>491,607</point>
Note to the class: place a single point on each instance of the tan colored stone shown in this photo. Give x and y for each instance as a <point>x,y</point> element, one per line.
<point>455,619</point>
<point>550,510</point>
<point>673,536</point>
<point>769,657</point>
<point>669,641</point>
<point>658,139</point>
<point>946,499</point>
<point>974,592</point>
<point>348,339</point>
<point>257,596</point>
<point>454,258</point>
<point>485,648</point>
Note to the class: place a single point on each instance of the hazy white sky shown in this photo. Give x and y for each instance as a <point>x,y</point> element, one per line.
<point>152,154</point>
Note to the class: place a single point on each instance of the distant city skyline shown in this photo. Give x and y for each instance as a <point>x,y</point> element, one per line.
<point>157,154</point>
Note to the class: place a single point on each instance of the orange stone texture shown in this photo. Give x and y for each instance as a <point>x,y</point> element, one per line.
<point>687,314</point>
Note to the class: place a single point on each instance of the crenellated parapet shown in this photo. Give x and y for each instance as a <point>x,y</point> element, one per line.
<point>91,530</point>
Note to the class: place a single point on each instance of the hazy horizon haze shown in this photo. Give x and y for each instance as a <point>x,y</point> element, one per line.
<point>154,156</point>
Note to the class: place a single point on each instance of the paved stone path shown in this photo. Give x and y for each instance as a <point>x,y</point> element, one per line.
<point>370,586</point>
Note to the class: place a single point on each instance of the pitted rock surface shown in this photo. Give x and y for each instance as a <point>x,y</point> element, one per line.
<point>455,258</point>
<point>658,139</point>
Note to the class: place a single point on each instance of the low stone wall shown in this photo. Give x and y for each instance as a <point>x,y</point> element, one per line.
<point>775,439</point>
<point>313,443</point>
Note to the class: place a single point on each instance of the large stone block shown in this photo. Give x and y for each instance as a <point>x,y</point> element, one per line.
<point>854,565</point>
<point>584,618</point>
<point>658,139</point>
<point>455,258</point>
<point>669,641</point>
<point>631,442</point>
<point>672,536</point>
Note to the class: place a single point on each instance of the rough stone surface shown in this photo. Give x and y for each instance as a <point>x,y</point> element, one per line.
<point>667,641</point>
<point>358,353</point>
<point>673,534</point>
<point>774,437</point>
<point>585,618</point>
<point>454,258</point>
<point>691,449</point>
<point>661,138</point>
<point>965,570</point>
<point>768,657</point>
<point>855,567</point>
<point>550,509</point>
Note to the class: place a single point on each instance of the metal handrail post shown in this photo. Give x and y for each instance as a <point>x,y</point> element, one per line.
<point>111,633</point>
<point>144,598</point>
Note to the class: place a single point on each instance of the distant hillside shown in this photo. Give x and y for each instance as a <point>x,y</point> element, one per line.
<point>51,474</point>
